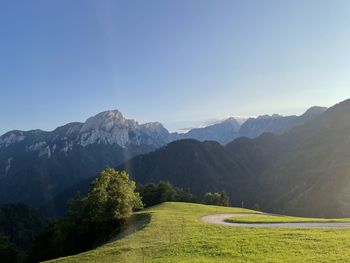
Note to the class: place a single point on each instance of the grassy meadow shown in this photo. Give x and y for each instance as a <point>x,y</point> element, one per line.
<point>256,219</point>
<point>173,232</point>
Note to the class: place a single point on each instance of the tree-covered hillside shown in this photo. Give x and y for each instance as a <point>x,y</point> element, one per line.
<point>303,172</point>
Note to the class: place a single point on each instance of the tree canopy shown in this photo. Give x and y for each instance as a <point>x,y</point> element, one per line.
<point>221,199</point>
<point>153,194</point>
<point>111,197</point>
<point>91,219</point>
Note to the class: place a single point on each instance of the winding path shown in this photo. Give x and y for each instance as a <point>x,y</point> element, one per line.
<point>219,219</point>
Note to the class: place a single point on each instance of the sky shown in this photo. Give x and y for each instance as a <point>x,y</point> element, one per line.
<point>180,62</point>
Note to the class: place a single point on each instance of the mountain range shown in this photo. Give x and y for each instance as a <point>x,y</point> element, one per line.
<point>37,166</point>
<point>228,130</point>
<point>304,171</point>
<point>276,123</point>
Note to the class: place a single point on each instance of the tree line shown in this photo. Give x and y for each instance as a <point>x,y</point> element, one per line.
<point>93,219</point>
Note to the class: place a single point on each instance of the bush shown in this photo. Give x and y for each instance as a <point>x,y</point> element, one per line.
<point>153,194</point>
<point>221,199</point>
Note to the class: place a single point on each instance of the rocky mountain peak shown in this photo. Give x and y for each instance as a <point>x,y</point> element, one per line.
<point>153,125</point>
<point>107,121</point>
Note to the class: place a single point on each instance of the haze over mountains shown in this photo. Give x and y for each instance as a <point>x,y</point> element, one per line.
<point>37,166</point>
<point>304,171</point>
<point>230,129</point>
<point>276,123</point>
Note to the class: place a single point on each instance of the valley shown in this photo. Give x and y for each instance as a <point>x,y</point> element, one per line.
<point>178,131</point>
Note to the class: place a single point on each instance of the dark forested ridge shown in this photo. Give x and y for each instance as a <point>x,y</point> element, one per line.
<point>208,166</point>
<point>21,224</point>
<point>311,176</point>
<point>45,169</point>
<point>288,173</point>
<point>36,180</point>
<point>304,171</point>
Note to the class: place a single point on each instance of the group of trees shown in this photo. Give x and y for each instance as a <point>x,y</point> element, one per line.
<point>153,194</point>
<point>9,252</point>
<point>19,225</point>
<point>220,199</point>
<point>91,219</point>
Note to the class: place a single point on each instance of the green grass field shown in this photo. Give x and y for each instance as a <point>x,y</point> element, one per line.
<point>173,232</point>
<point>258,219</point>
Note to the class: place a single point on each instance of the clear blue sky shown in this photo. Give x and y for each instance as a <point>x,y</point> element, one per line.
<point>174,61</point>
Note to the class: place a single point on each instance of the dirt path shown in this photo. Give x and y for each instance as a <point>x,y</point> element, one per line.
<point>219,219</point>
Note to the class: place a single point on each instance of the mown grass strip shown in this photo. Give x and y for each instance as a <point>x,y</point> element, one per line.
<point>263,219</point>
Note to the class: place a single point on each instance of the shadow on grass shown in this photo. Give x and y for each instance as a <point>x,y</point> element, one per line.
<point>133,224</point>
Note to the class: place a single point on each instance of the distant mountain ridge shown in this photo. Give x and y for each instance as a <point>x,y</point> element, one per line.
<point>229,129</point>
<point>222,132</point>
<point>303,171</point>
<point>36,165</point>
<point>110,127</point>
<point>277,124</point>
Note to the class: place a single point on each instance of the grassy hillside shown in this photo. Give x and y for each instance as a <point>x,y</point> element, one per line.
<point>173,232</point>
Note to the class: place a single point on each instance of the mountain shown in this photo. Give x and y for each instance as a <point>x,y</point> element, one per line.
<point>222,132</point>
<point>208,166</point>
<point>36,165</point>
<point>45,169</point>
<point>277,124</point>
<point>228,130</point>
<point>111,127</point>
<point>304,171</point>
<point>311,177</point>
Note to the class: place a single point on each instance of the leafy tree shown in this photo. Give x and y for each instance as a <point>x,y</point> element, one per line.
<point>112,197</point>
<point>224,199</point>
<point>90,219</point>
<point>221,199</point>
